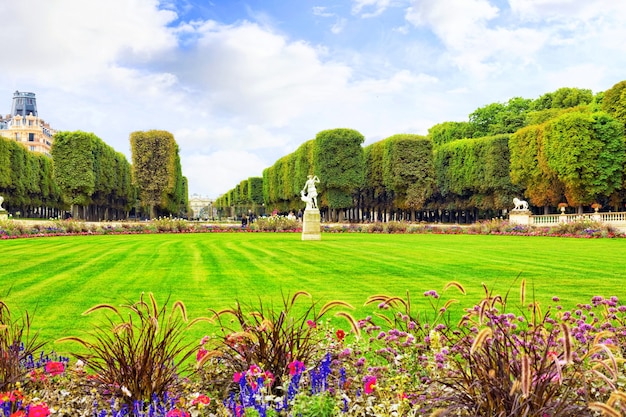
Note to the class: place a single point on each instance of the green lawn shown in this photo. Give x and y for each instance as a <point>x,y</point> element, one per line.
<point>58,278</point>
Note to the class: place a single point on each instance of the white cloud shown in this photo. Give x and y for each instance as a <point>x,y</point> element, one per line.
<point>538,10</point>
<point>378,6</point>
<point>321,11</point>
<point>86,35</point>
<point>339,26</point>
<point>464,28</point>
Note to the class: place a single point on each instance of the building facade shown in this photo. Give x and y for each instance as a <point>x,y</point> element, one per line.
<point>202,207</point>
<point>23,125</point>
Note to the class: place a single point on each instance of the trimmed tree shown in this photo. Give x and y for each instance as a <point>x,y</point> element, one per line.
<point>74,169</point>
<point>340,165</point>
<point>154,167</point>
<point>587,153</point>
<point>530,169</point>
<point>408,170</point>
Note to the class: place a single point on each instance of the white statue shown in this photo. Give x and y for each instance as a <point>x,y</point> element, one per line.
<point>520,204</point>
<point>310,198</point>
<point>1,201</point>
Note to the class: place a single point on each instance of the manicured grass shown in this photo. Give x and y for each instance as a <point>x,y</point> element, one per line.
<point>58,278</point>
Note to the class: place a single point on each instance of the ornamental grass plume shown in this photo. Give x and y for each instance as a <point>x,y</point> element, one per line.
<point>534,364</point>
<point>274,337</point>
<point>139,350</point>
<point>17,345</point>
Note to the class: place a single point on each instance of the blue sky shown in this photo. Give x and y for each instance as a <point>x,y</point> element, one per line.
<point>241,83</point>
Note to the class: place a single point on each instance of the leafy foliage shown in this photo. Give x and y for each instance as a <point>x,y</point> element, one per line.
<point>478,168</point>
<point>157,171</point>
<point>340,165</point>
<point>408,169</point>
<point>614,101</point>
<point>89,172</point>
<point>530,169</point>
<point>587,153</point>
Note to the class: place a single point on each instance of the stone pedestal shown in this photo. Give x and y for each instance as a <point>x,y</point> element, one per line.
<point>4,215</point>
<point>311,229</point>
<point>520,217</point>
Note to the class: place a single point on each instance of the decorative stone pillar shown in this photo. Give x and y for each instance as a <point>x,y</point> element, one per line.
<point>520,217</point>
<point>3,213</point>
<point>311,229</point>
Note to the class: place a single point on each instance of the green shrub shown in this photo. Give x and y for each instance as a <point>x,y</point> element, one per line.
<point>319,405</point>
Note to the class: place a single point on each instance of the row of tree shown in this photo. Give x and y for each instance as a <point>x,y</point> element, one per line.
<point>565,146</point>
<point>91,181</point>
<point>26,181</point>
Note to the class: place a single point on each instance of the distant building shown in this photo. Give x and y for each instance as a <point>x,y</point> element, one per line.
<point>23,125</point>
<point>202,207</point>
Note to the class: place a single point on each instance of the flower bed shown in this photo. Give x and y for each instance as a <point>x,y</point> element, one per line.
<point>503,358</point>
<point>11,229</point>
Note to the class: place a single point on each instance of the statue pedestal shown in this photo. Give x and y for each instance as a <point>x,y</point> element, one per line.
<point>520,217</point>
<point>3,214</point>
<point>311,229</point>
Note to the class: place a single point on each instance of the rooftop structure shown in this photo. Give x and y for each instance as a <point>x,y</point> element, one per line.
<point>24,104</point>
<point>24,125</point>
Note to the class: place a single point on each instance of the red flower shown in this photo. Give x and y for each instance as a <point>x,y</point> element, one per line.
<point>38,410</point>
<point>55,368</point>
<point>340,334</point>
<point>201,399</point>
<point>10,396</point>
<point>19,413</point>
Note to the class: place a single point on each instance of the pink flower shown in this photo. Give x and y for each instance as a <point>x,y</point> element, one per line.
<point>38,410</point>
<point>295,368</point>
<point>268,377</point>
<point>311,324</point>
<point>254,370</point>
<point>370,384</point>
<point>55,368</point>
<point>238,376</point>
<point>201,354</point>
<point>174,412</point>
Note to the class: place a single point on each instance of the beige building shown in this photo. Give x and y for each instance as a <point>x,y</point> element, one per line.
<point>23,125</point>
<point>202,207</point>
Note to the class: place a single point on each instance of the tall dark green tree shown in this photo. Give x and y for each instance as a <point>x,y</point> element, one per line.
<point>74,169</point>
<point>154,156</point>
<point>340,165</point>
<point>408,170</point>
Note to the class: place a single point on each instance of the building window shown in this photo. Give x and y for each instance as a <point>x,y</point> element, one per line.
<point>31,137</point>
<point>32,148</point>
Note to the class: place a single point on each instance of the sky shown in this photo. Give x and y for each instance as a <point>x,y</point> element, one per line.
<point>242,83</point>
